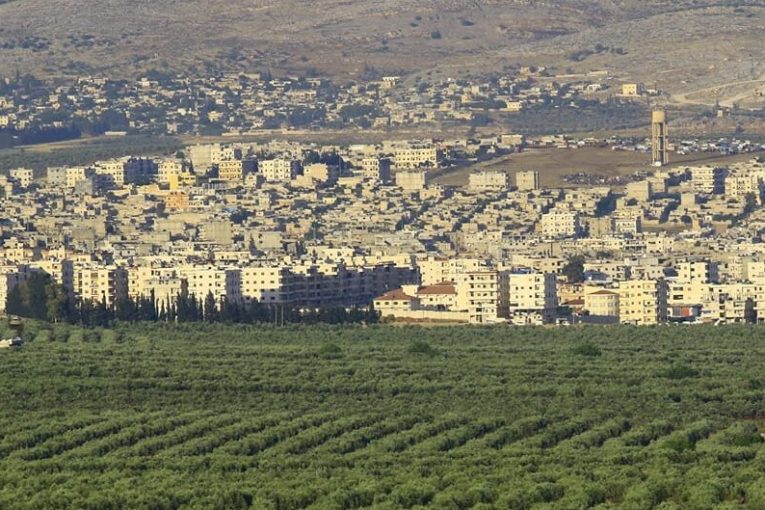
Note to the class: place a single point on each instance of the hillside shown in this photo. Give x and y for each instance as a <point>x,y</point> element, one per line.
<point>683,46</point>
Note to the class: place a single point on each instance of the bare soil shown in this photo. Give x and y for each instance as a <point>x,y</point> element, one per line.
<point>554,164</point>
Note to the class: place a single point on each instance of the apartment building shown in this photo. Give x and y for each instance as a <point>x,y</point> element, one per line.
<point>315,286</point>
<point>435,270</point>
<point>23,177</point>
<point>642,191</point>
<point>739,186</point>
<point>222,283</point>
<point>279,170</point>
<point>560,224</point>
<point>411,180</point>
<point>708,179</point>
<point>376,169</point>
<point>55,176</point>
<point>161,283</point>
<point>10,276</point>
<point>478,293</point>
<point>487,180</point>
<point>177,200</point>
<point>320,173</point>
<point>100,284</point>
<point>230,170</point>
<point>527,180</point>
<point>602,303</point>
<point>168,170</point>
<point>642,302</point>
<point>116,173</point>
<point>417,156</point>
<point>75,175</point>
<point>703,271</point>
<point>529,297</point>
<point>111,173</point>
<point>268,284</point>
<point>61,271</point>
<point>203,157</point>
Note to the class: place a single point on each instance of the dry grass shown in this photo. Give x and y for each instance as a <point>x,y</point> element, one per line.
<point>554,164</point>
<point>681,45</point>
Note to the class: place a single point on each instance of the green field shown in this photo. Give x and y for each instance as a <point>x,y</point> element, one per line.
<point>86,151</point>
<point>226,417</point>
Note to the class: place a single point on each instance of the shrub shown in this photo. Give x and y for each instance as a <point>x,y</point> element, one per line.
<point>421,347</point>
<point>330,351</point>
<point>679,371</point>
<point>589,350</point>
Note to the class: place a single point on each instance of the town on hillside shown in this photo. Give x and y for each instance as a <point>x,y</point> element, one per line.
<point>370,226</point>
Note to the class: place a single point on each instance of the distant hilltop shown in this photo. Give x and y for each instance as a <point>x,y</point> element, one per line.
<point>352,39</point>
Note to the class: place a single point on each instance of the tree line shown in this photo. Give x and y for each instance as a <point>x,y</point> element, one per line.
<point>40,298</point>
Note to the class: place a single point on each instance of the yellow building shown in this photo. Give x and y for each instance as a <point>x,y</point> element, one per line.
<point>632,89</point>
<point>222,283</point>
<point>417,156</point>
<point>557,224</point>
<point>376,169</point>
<point>602,303</point>
<point>530,297</point>
<point>639,190</point>
<point>10,276</point>
<point>487,180</point>
<point>279,170</point>
<point>177,200</point>
<point>231,170</point>
<point>527,180</point>
<point>77,174</point>
<point>434,270</point>
<point>697,272</point>
<point>112,172</point>
<point>22,176</point>
<point>160,282</point>
<point>413,180</point>
<point>318,173</point>
<point>478,293</point>
<point>395,301</point>
<point>267,284</point>
<point>100,284</point>
<point>169,169</point>
<point>642,302</point>
<point>708,179</point>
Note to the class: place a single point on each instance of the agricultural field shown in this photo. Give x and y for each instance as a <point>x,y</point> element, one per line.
<point>226,417</point>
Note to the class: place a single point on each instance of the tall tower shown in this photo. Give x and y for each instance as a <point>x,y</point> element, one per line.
<point>659,138</point>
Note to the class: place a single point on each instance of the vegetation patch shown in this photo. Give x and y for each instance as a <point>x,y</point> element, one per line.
<point>213,416</point>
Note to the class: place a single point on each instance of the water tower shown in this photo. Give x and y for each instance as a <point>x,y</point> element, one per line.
<point>659,138</point>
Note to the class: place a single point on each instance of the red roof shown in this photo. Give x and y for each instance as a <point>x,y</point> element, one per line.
<point>439,288</point>
<point>395,295</point>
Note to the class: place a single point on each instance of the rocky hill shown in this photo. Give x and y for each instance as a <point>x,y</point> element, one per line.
<point>678,44</point>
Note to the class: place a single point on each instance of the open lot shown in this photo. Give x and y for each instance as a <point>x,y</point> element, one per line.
<point>554,164</point>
